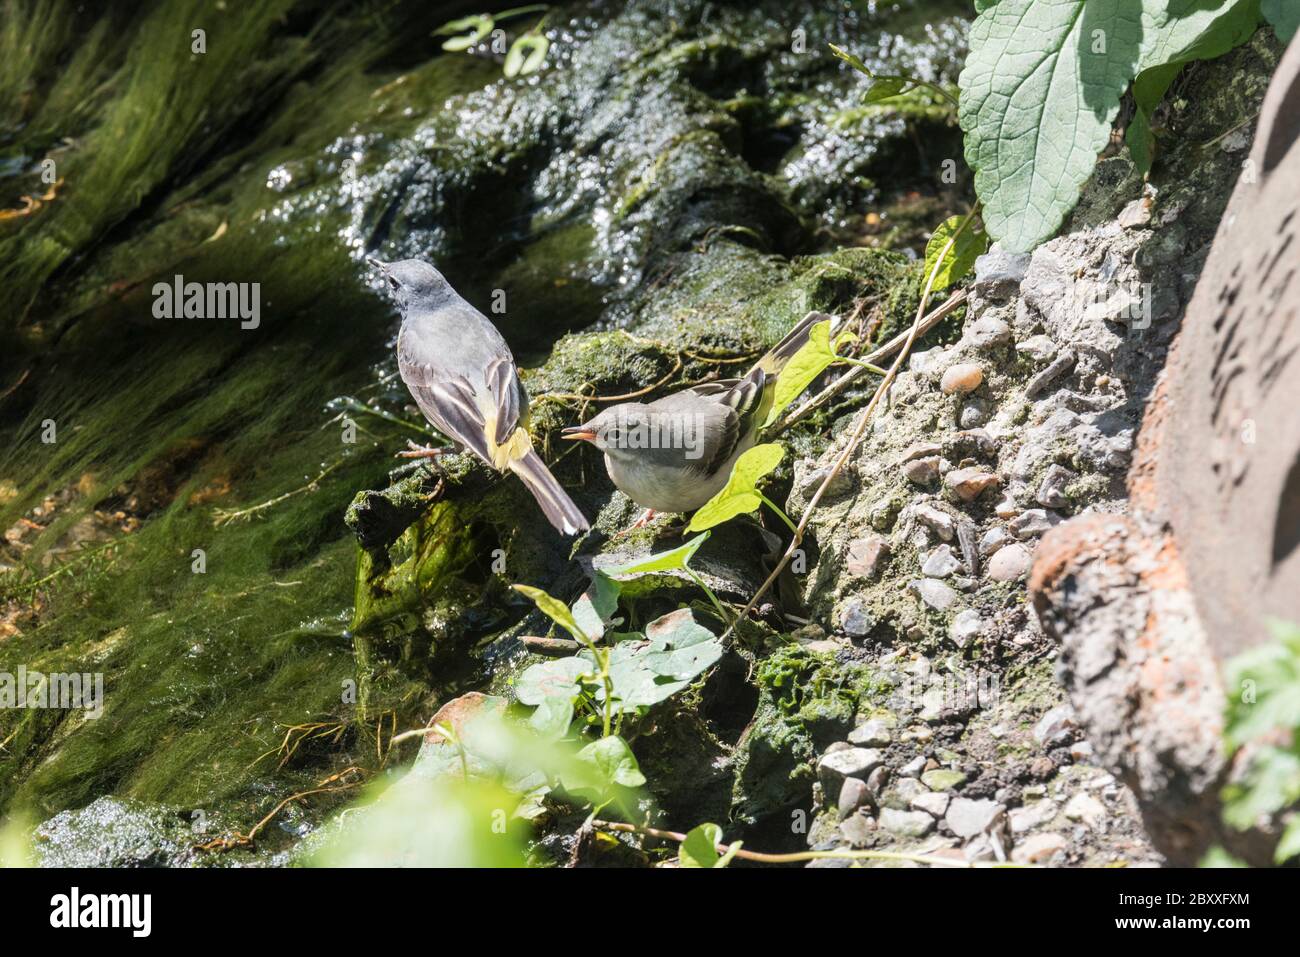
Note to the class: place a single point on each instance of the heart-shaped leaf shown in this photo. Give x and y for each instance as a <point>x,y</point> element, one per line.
<point>557,678</point>
<point>526,55</point>
<point>700,849</point>
<point>969,243</point>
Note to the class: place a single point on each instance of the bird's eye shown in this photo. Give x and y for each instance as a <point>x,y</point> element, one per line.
<point>392,282</point>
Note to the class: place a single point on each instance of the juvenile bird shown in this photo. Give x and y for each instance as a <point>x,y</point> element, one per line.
<point>676,453</point>
<point>463,377</point>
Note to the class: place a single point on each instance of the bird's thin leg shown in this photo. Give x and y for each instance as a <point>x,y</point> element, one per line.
<point>645,519</point>
<point>414,451</point>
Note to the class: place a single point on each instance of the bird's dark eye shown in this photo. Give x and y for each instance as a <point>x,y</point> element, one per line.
<point>392,282</point>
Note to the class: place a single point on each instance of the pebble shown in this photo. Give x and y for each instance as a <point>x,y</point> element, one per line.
<point>840,485</point>
<point>989,332</point>
<point>906,823</point>
<point>961,378</point>
<point>1056,726</point>
<point>920,450</point>
<point>993,539</point>
<point>1039,348</point>
<point>1032,815</point>
<point>913,768</point>
<point>843,763</point>
<point>1136,213</point>
<point>937,521</point>
<point>1009,563</point>
<point>1007,508</point>
<point>1051,491</point>
<point>853,794</point>
<point>1039,848</point>
<point>974,413</point>
<point>1081,751</point>
<point>940,563</point>
<point>970,483</point>
<point>874,733</point>
<point>943,779</point>
<point>922,471</point>
<point>867,555</point>
<point>1033,522</point>
<point>1087,809</point>
<point>967,817</point>
<point>899,795</point>
<point>966,626</point>
<point>998,273</point>
<point>858,829</point>
<point>883,514</point>
<point>934,593</point>
<point>1060,365</point>
<point>932,803</point>
<point>855,617</point>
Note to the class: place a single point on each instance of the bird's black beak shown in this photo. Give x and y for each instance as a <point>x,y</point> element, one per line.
<point>381,266</point>
<point>578,432</point>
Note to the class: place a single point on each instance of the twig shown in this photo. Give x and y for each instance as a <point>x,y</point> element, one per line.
<point>859,430</point>
<point>224,516</point>
<point>626,397</point>
<point>798,857</point>
<point>882,352</point>
<point>246,840</point>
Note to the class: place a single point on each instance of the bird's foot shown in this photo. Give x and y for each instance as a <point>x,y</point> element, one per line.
<point>646,518</point>
<point>414,451</point>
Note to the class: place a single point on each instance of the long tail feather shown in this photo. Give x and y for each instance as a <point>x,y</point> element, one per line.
<point>555,502</point>
<point>781,353</point>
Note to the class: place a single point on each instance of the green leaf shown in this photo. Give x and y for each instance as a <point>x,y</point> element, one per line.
<point>1042,86</point>
<point>554,609</point>
<point>614,761</point>
<point>645,670</point>
<point>700,849</point>
<point>596,608</point>
<point>740,494</point>
<point>812,359</point>
<point>526,55</point>
<point>1289,846</point>
<point>970,243</point>
<point>1284,15</point>
<point>851,60</point>
<point>553,716</point>
<point>883,88</point>
<point>1263,687</point>
<point>551,679</point>
<point>677,558</point>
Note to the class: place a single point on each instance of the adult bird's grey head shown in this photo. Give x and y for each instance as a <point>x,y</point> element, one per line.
<point>414,282</point>
<point>463,377</point>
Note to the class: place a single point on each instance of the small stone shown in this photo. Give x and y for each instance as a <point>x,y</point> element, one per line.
<point>1051,491</point>
<point>876,782</point>
<point>883,514</point>
<point>1136,213</point>
<point>961,378</point>
<point>867,556</point>
<point>993,539</point>
<point>934,593</point>
<point>965,627</point>
<point>853,794</point>
<point>998,273</point>
<point>1086,808</point>
<point>1007,508</point>
<point>1039,848</point>
<point>943,779</point>
<point>970,483</point>
<point>940,563</point>
<point>937,521</point>
<point>1039,348</point>
<point>1010,563</point>
<point>855,617</point>
<point>1032,815</point>
<point>1081,751</point>
<point>1033,522</point>
<point>840,485</point>
<point>906,823</point>
<point>932,803</point>
<point>835,766</point>
<point>974,413</point>
<point>858,829</point>
<point>874,733</point>
<point>1060,365</point>
<point>1056,726</point>
<point>989,332</point>
<point>913,768</point>
<point>900,794</point>
<point>922,471</point>
<point>967,817</point>
<point>920,450</point>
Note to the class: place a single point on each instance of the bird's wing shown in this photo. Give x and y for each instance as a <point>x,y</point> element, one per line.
<point>721,423</point>
<point>506,391</point>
